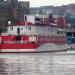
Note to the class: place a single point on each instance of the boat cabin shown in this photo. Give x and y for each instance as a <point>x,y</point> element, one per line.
<point>35,25</point>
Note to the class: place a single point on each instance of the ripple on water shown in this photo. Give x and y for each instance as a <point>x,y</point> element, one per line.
<point>37,64</point>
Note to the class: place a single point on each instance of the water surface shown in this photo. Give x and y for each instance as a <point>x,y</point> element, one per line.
<point>37,64</point>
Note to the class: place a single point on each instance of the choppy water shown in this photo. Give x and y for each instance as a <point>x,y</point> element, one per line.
<point>37,64</point>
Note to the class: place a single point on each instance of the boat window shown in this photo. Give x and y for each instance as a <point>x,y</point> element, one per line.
<point>73,34</point>
<point>29,27</point>
<point>18,30</point>
<point>21,28</point>
<point>25,18</point>
<point>69,34</point>
<point>58,32</point>
<point>37,19</point>
<point>11,28</point>
<point>73,40</point>
<point>62,32</point>
<point>26,27</point>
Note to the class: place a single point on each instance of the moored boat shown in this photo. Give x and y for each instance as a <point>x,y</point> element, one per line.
<point>37,33</point>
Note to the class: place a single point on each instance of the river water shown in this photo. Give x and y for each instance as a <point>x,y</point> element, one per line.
<point>37,64</point>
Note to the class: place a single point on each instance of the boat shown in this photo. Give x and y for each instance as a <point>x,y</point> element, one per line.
<point>70,34</point>
<point>36,33</point>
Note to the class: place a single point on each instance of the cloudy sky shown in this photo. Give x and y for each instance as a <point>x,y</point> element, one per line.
<point>37,3</point>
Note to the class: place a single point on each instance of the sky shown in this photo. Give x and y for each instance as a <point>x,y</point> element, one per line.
<point>37,3</point>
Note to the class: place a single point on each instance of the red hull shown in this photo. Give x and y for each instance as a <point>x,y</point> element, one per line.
<point>19,46</point>
<point>9,42</point>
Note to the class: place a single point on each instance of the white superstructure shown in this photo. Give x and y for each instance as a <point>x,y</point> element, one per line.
<point>36,25</point>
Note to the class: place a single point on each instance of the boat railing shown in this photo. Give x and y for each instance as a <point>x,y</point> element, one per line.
<point>71,47</point>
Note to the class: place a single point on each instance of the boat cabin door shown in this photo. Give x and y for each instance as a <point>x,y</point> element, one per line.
<point>18,30</point>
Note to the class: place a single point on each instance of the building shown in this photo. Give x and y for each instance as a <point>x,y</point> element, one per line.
<point>12,10</point>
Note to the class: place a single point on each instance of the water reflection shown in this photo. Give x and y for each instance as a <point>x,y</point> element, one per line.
<point>37,64</point>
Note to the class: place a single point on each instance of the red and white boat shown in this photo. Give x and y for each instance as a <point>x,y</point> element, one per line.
<point>35,34</point>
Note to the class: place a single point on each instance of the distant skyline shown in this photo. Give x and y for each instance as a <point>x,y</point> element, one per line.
<point>38,3</point>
